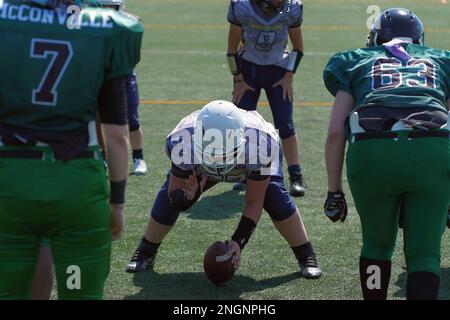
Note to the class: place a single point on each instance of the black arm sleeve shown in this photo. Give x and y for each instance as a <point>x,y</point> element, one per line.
<point>112,102</point>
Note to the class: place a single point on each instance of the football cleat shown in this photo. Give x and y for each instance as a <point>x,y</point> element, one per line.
<point>140,262</point>
<point>239,186</point>
<point>140,167</point>
<point>310,268</point>
<point>298,186</point>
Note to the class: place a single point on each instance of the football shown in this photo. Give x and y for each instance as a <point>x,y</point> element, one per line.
<point>218,264</point>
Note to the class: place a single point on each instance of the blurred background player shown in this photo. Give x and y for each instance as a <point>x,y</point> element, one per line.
<point>53,183</point>
<point>263,27</point>
<point>188,179</point>
<point>43,279</point>
<point>391,103</point>
<point>136,133</point>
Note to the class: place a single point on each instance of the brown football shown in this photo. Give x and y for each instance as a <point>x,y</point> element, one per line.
<point>218,264</point>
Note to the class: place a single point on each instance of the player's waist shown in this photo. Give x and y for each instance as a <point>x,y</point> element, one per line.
<point>45,153</point>
<point>396,135</point>
<point>382,124</point>
<point>22,143</point>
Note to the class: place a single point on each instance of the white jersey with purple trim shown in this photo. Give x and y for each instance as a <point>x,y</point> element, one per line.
<point>265,38</point>
<point>262,149</point>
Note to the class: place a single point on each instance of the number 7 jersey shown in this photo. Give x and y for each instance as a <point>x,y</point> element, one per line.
<point>51,73</point>
<point>374,75</point>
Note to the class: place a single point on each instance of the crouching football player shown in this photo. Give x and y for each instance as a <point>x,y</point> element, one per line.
<point>392,100</point>
<point>236,161</point>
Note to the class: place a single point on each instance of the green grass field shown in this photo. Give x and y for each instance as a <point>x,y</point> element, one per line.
<point>182,65</point>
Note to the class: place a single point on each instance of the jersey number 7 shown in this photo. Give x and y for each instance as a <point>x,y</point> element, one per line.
<point>61,53</point>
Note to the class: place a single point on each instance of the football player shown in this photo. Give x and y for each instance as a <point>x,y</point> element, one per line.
<point>264,62</point>
<point>52,179</point>
<point>135,128</point>
<point>43,279</point>
<point>391,105</point>
<point>204,166</point>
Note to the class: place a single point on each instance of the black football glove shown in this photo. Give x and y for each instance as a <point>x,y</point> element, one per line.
<point>335,206</point>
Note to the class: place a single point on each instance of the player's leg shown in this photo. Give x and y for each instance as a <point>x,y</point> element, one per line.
<point>426,210</point>
<point>286,218</point>
<point>18,256</point>
<point>163,217</point>
<point>19,239</point>
<point>282,111</point>
<point>250,99</point>
<point>136,134</point>
<point>371,183</point>
<point>80,236</point>
<point>43,276</point>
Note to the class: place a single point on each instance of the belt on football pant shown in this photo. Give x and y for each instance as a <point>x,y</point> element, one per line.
<point>35,154</point>
<point>393,135</point>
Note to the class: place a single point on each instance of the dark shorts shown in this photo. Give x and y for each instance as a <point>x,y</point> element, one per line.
<point>133,102</point>
<point>278,203</point>
<point>264,77</point>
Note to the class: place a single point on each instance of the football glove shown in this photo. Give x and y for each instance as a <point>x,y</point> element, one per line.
<point>335,207</point>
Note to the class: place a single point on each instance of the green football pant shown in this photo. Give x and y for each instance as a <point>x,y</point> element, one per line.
<point>65,203</point>
<point>412,174</point>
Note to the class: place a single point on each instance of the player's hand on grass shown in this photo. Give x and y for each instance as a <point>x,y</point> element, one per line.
<point>286,84</point>
<point>240,88</point>
<point>335,207</point>
<point>117,220</point>
<point>235,251</point>
<point>192,186</point>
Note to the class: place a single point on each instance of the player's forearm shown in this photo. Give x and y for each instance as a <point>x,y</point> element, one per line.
<point>253,212</point>
<point>334,158</point>
<point>117,145</point>
<point>254,199</point>
<point>234,38</point>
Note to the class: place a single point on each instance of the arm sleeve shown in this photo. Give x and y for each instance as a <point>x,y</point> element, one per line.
<point>112,102</point>
<point>232,16</point>
<point>296,14</point>
<point>125,48</point>
<point>336,76</point>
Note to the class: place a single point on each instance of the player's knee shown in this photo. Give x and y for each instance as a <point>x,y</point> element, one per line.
<point>378,250</point>
<point>163,212</point>
<point>278,204</point>
<point>286,129</point>
<point>133,124</point>
<point>166,217</point>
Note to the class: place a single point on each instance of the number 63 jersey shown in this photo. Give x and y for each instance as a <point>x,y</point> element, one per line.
<point>375,76</point>
<point>51,71</point>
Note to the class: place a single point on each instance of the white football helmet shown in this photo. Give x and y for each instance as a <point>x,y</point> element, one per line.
<point>222,136</point>
<point>120,4</point>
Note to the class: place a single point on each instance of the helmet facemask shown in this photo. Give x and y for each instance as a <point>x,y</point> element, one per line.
<point>278,6</point>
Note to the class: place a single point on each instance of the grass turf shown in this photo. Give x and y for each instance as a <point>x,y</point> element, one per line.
<point>182,60</point>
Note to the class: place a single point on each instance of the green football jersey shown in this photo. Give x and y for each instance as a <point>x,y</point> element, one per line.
<point>374,75</point>
<point>51,70</point>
